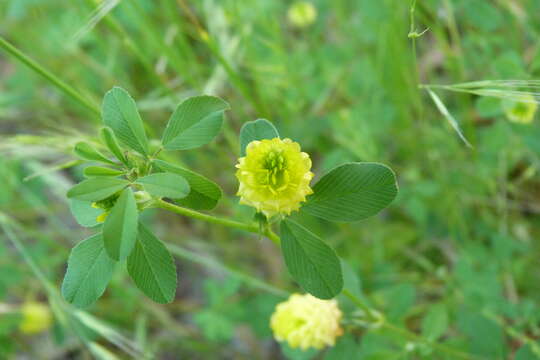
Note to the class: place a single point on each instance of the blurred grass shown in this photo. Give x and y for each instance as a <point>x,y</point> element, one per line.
<point>461,234</point>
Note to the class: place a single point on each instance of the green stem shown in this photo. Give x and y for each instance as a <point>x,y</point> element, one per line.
<point>417,338</point>
<point>6,227</point>
<point>62,86</point>
<point>253,228</point>
<point>361,305</point>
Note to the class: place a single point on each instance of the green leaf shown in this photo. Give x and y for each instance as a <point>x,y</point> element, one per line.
<point>256,130</point>
<point>88,273</point>
<point>120,228</point>
<point>87,152</point>
<point>352,191</point>
<point>96,171</point>
<point>435,323</point>
<point>165,185</point>
<point>204,194</point>
<point>195,122</point>
<point>152,267</point>
<point>108,137</point>
<point>97,188</point>
<point>120,113</point>
<point>526,352</point>
<point>84,213</point>
<point>312,263</point>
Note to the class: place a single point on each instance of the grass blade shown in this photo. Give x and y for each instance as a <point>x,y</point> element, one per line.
<point>62,86</point>
<point>444,111</point>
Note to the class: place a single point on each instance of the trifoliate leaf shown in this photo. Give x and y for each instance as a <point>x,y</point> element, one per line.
<point>97,171</point>
<point>152,267</point>
<point>108,137</point>
<point>195,122</point>
<point>120,113</point>
<point>352,191</point>
<point>120,228</point>
<point>256,130</point>
<point>204,194</point>
<point>88,273</point>
<point>165,185</point>
<point>97,188</point>
<point>87,152</point>
<point>311,262</point>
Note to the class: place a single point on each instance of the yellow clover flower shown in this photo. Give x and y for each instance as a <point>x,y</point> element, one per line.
<point>274,176</point>
<point>302,14</point>
<point>307,322</point>
<point>521,111</point>
<point>36,317</point>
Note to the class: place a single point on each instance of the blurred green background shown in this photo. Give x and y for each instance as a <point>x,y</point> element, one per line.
<point>454,258</point>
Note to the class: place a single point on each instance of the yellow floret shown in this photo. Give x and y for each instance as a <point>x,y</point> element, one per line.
<point>101,217</point>
<point>36,318</point>
<point>274,176</point>
<point>521,110</point>
<point>304,321</point>
<point>302,14</point>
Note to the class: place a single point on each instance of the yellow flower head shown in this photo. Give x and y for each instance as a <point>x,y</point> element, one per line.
<point>305,321</point>
<point>36,318</point>
<point>521,111</point>
<point>302,14</point>
<point>274,176</point>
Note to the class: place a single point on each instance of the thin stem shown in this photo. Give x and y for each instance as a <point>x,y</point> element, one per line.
<point>414,337</point>
<point>360,304</point>
<point>412,36</point>
<point>62,86</point>
<point>6,227</point>
<point>252,228</point>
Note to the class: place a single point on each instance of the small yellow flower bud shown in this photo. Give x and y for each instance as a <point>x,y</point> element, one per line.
<point>302,14</point>
<point>204,35</point>
<point>521,111</point>
<point>307,322</point>
<point>274,176</point>
<point>36,318</point>
<point>101,217</point>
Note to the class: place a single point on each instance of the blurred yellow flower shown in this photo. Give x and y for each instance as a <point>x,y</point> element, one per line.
<point>105,204</point>
<point>274,176</point>
<point>307,322</point>
<point>520,111</point>
<point>101,217</point>
<point>302,14</point>
<point>36,318</point>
